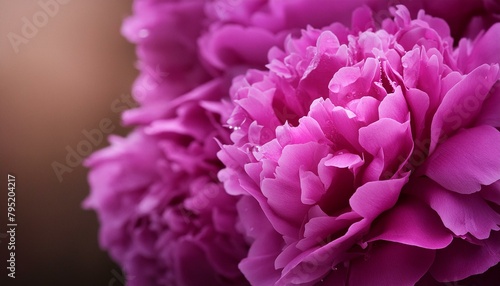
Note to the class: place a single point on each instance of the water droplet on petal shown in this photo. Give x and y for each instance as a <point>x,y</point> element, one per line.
<point>143,33</point>
<point>234,127</point>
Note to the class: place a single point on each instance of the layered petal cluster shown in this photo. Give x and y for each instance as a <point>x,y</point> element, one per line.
<point>164,217</point>
<point>241,32</point>
<point>369,156</point>
<point>165,33</point>
<point>465,18</point>
<point>182,44</point>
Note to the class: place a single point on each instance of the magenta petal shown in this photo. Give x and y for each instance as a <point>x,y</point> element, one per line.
<point>373,198</point>
<point>283,193</point>
<point>191,259</point>
<point>258,105</point>
<point>365,108</point>
<point>288,253</point>
<point>251,216</point>
<point>346,124</point>
<point>233,157</point>
<point>390,142</point>
<point>232,45</point>
<point>258,267</point>
<point>343,78</point>
<point>411,223</point>
<point>306,269</point>
<point>344,160</point>
<point>392,137</point>
<point>460,213</point>
<point>324,227</point>
<point>485,49</point>
<point>337,277</point>
<point>463,167</point>
<point>462,103</point>
<point>258,270</point>
<point>492,192</point>
<point>489,114</point>
<point>418,102</point>
<point>283,198</point>
<point>462,259</point>
<point>308,130</point>
<point>394,106</point>
<point>313,264</point>
<point>311,186</point>
<point>389,263</point>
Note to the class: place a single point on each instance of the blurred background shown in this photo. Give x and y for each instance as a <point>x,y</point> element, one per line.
<point>61,68</point>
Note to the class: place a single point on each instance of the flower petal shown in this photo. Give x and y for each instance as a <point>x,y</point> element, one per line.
<point>460,213</point>
<point>462,259</point>
<point>485,49</point>
<point>466,161</point>
<point>411,223</point>
<point>373,198</point>
<point>462,103</point>
<point>390,263</point>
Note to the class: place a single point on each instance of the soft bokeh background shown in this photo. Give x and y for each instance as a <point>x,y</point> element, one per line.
<point>60,83</point>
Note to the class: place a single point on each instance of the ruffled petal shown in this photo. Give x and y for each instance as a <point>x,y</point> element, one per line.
<point>410,222</point>
<point>467,160</point>
<point>388,263</point>
<point>462,259</point>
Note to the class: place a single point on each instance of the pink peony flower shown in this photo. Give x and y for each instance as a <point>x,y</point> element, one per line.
<point>163,215</point>
<point>369,156</point>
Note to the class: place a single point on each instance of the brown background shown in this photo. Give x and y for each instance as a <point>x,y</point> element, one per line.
<point>60,83</point>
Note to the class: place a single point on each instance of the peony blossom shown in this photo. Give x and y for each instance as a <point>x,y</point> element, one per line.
<point>163,216</point>
<point>369,156</point>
